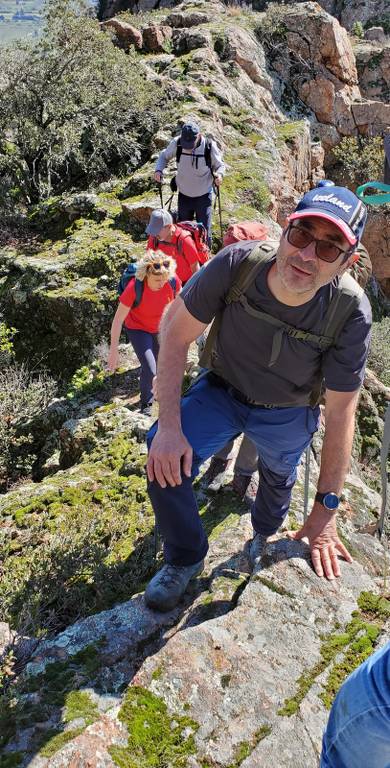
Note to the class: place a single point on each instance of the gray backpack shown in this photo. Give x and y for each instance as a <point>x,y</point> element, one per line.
<point>345,300</point>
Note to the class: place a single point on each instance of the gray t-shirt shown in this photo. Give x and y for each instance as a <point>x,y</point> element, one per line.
<point>244,342</point>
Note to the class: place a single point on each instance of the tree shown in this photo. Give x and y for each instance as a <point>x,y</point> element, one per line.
<point>73,108</point>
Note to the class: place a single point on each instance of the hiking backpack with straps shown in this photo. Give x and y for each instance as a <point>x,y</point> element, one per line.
<point>207,153</point>
<point>345,300</point>
<point>129,274</point>
<point>179,151</point>
<point>193,229</point>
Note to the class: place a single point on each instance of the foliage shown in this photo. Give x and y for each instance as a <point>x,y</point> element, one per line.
<point>22,397</point>
<point>358,29</point>
<point>360,159</point>
<point>77,548</point>
<point>86,380</point>
<point>379,357</point>
<point>72,106</point>
<point>6,344</point>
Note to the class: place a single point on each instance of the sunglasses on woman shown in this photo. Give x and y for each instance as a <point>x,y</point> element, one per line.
<point>325,250</point>
<point>157,266</point>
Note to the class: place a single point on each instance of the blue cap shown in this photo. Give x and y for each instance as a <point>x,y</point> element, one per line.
<point>188,135</point>
<point>159,218</point>
<point>336,204</point>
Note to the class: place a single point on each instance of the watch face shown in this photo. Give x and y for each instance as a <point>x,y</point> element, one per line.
<point>331,501</point>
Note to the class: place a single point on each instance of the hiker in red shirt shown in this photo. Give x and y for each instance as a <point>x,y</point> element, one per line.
<point>141,306</point>
<point>170,239</point>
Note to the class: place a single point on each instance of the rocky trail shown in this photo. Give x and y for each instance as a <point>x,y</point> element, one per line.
<point>243,672</point>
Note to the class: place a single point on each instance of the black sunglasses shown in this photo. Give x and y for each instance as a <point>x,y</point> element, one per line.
<point>325,250</point>
<point>157,266</point>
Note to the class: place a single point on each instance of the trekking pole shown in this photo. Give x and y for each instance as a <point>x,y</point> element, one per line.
<point>307,482</point>
<point>219,210</point>
<point>384,476</point>
<point>161,194</point>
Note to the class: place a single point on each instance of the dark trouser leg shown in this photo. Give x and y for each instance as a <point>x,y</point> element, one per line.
<point>185,208</point>
<point>203,209</point>
<point>145,346</point>
<point>281,436</point>
<point>246,461</point>
<point>225,453</point>
<point>210,417</point>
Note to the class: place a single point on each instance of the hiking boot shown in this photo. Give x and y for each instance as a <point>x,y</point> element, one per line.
<point>256,548</point>
<point>169,584</point>
<point>146,410</point>
<point>213,477</point>
<point>245,486</point>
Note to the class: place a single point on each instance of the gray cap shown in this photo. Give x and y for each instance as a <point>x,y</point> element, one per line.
<point>159,219</point>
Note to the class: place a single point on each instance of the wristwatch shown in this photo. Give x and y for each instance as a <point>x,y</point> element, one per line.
<point>329,500</point>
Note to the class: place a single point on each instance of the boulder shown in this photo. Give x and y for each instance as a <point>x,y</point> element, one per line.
<point>156,38</point>
<point>181,20</point>
<point>371,117</point>
<point>376,239</point>
<point>126,34</point>
<point>185,41</point>
<point>373,65</point>
<point>240,46</point>
<point>375,33</point>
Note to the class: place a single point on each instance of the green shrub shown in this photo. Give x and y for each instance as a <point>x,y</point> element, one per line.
<point>6,344</point>
<point>357,29</point>
<point>22,396</point>
<point>379,357</point>
<point>360,159</point>
<point>74,107</point>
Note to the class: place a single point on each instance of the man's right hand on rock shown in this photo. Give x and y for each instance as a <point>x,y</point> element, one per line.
<point>169,455</point>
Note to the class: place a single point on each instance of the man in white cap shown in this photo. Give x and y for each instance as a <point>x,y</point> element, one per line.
<point>199,166</point>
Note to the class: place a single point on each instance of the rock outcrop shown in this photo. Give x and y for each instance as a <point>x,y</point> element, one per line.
<point>373,65</point>
<point>243,671</point>
<point>245,667</point>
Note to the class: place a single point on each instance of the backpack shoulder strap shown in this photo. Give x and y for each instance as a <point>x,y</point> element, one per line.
<point>172,283</point>
<point>345,300</point>
<point>139,289</point>
<point>179,150</point>
<point>249,268</point>
<point>207,152</point>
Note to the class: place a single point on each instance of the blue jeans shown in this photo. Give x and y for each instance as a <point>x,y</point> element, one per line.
<point>211,416</point>
<point>146,348</point>
<point>358,730</point>
<point>196,207</point>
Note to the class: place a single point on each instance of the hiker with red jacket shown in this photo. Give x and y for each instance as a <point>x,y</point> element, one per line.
<point>141,306</point>
<point>288,320</point>
<point>199,167</point>
<point>169,238</point>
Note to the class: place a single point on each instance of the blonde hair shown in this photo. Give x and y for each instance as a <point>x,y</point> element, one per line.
<point>149,258</point>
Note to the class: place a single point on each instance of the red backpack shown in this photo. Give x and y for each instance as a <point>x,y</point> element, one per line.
<point>198,232</point>
<point>245,230</point>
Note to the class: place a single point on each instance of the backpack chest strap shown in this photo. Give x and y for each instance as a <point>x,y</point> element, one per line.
<point>322,342</point>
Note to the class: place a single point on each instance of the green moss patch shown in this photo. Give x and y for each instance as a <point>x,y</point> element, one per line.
<point>355,644</point>
<point>156,738</point>
<point>57,698</point>
<point>246,747</point>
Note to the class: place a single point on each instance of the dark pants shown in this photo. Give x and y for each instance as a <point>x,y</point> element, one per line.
<point>211,416</point>
<point>198,208</point>
<point>146,347</point>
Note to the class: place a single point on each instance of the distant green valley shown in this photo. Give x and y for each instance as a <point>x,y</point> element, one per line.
<point>20,18</point>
